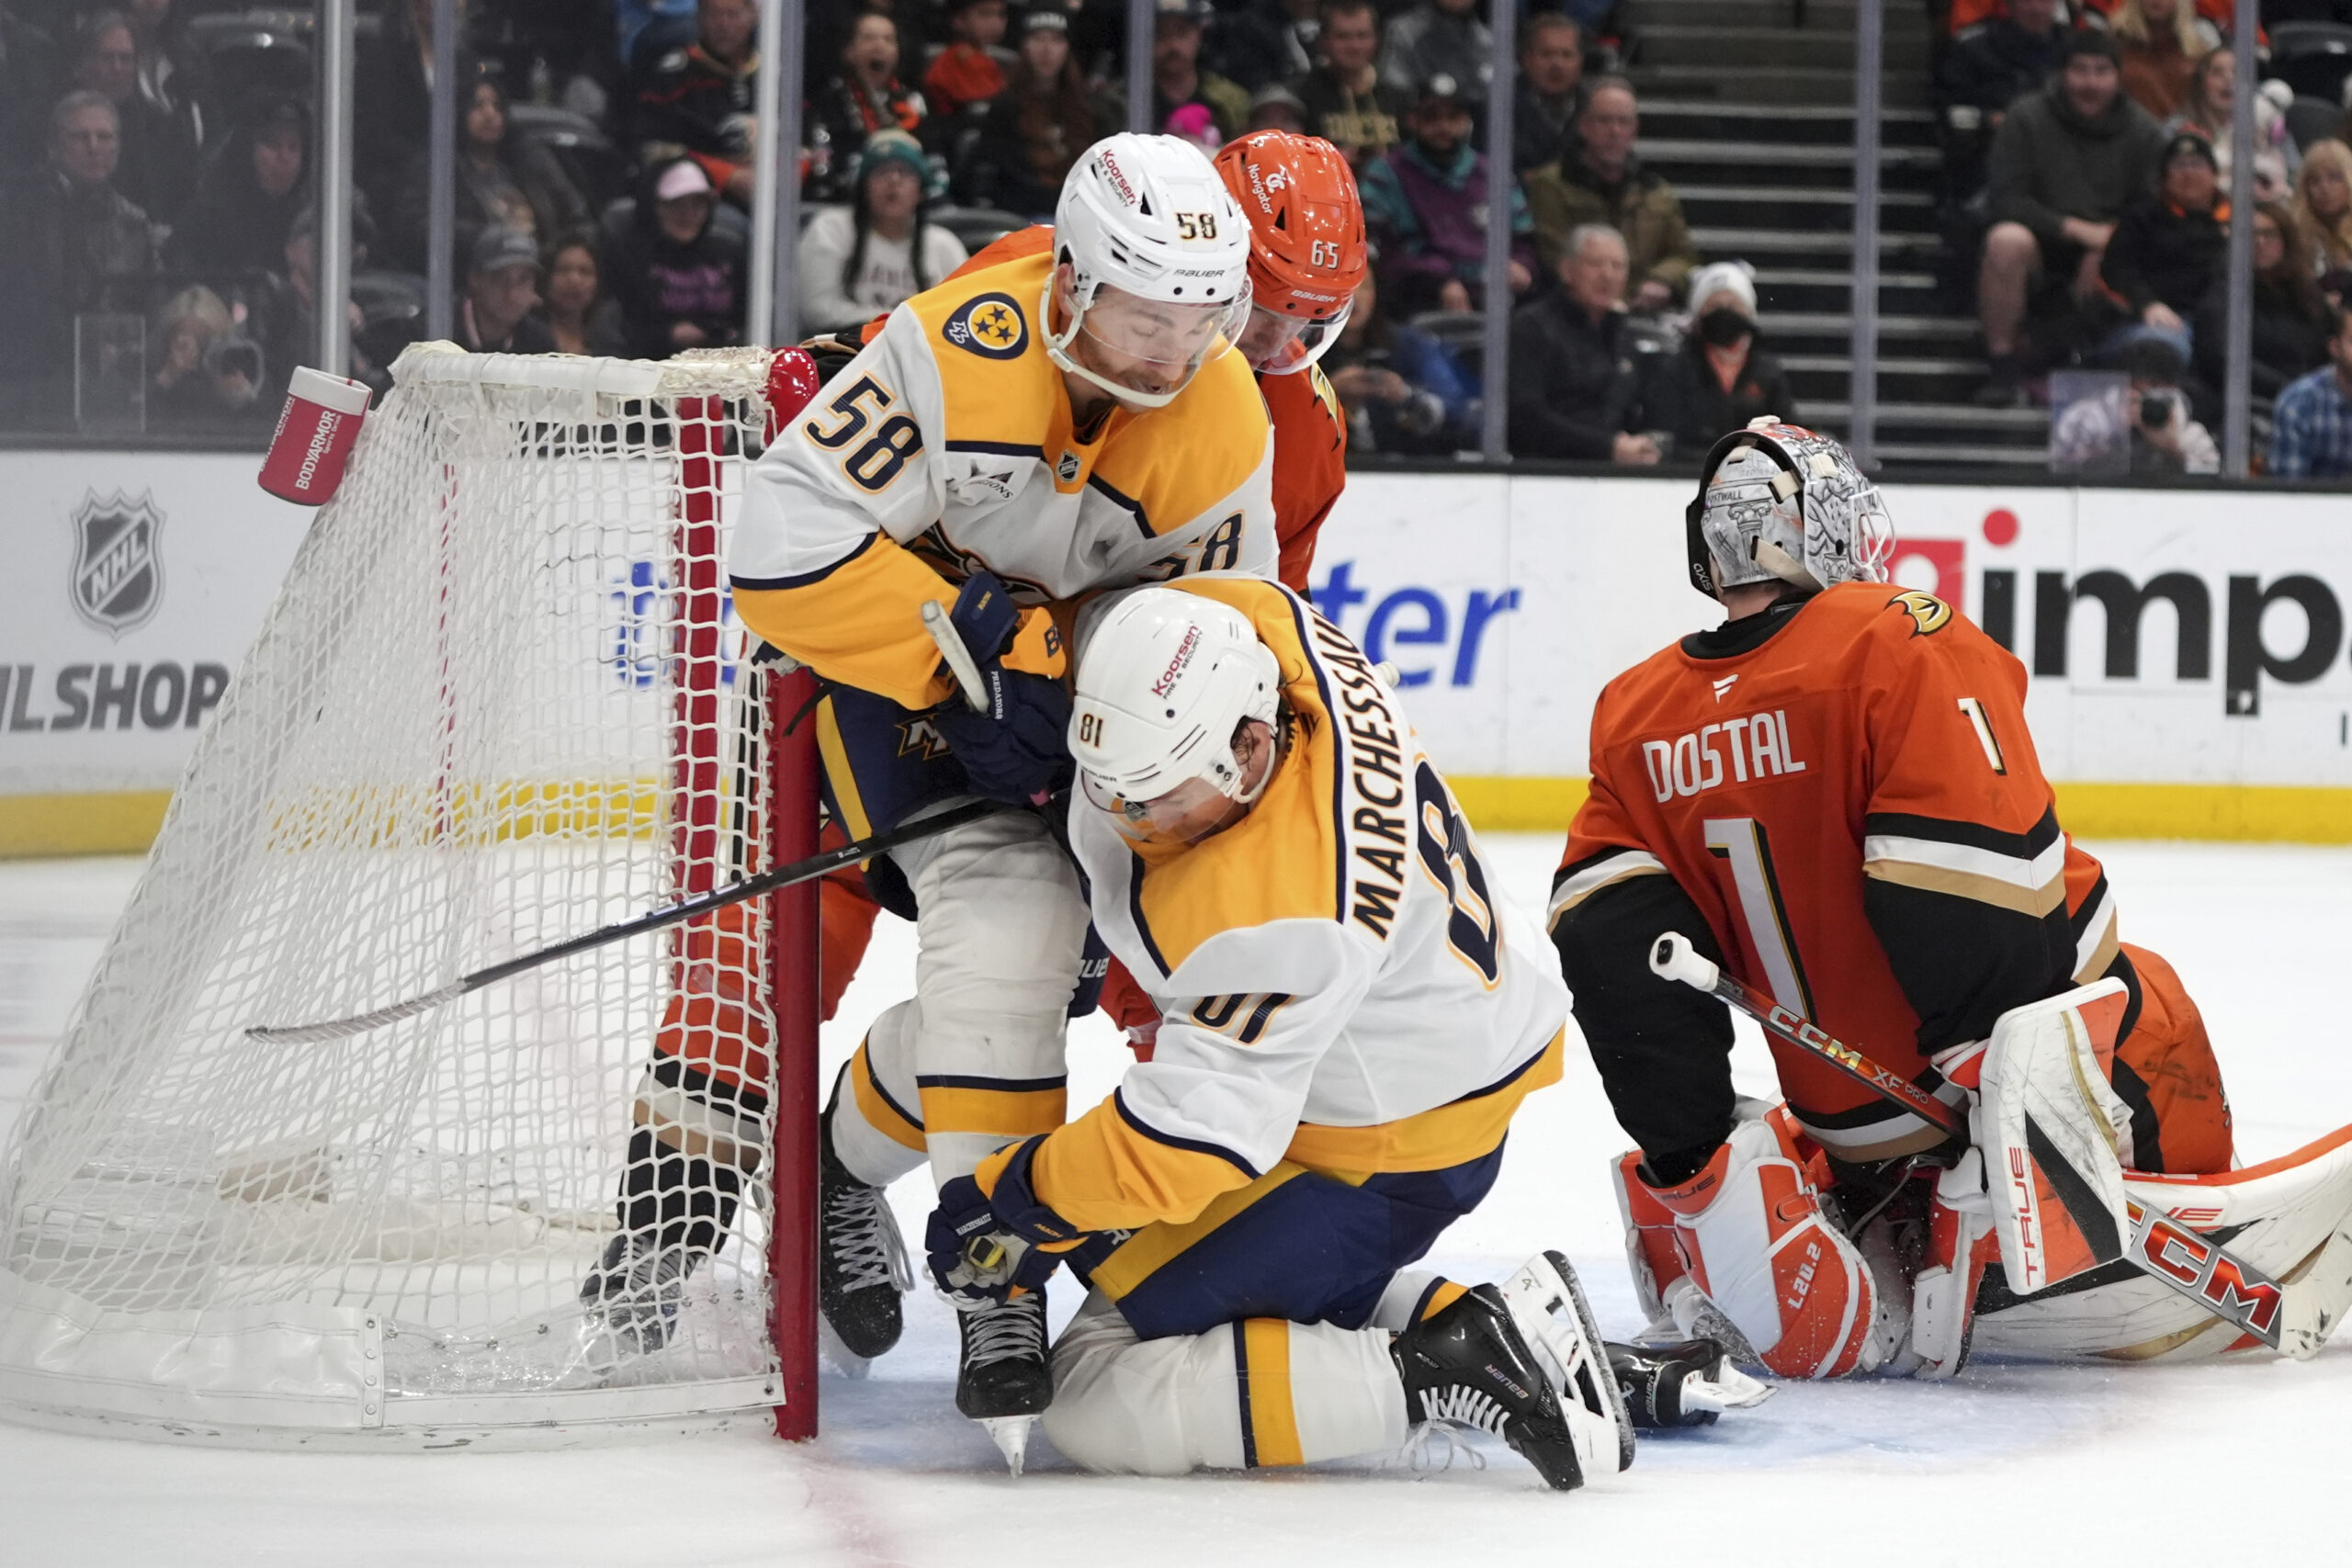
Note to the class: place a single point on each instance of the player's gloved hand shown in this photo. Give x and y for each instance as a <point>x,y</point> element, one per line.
<point>989,1237</point>
<point>1016,748</point>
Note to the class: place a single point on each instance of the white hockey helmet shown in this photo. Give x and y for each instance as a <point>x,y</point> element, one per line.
<point>1148,219</point>
<point>1165,680</point>
<point>1780,503</point>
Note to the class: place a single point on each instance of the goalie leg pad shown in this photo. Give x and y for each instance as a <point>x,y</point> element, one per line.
<point>2047,1124</point>
<point>1003,929</point>
<point>1760,1250</point>
<point>2165,1073</point>
<point>1651,1254</point>
<point>1258,1393</point>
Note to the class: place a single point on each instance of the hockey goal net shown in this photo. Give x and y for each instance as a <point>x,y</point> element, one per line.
<point>497,703</point>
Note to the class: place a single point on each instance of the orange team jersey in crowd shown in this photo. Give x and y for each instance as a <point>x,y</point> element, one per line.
<point>1310,469</point>
<point>1849,797</point>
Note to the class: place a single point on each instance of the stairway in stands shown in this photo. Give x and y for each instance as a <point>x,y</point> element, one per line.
<point>1747,107</point>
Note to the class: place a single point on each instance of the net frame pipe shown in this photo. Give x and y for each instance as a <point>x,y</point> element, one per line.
<point>2237,390</point>
<point>441,192</point>
<point>793,980</point>
<point>1502,181</point>
<point>333,32</point>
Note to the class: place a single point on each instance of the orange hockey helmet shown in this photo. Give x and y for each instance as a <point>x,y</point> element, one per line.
<point>1306,247</point>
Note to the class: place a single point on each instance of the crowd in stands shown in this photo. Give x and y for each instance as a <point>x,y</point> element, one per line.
<point>156,166</point>
<point>2087,160</point>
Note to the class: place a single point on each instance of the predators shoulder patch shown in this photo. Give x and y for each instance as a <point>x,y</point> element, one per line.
<point>990,325</point>
<point>1928,614</point>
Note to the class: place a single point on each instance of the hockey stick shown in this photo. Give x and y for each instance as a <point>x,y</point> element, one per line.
<point>2197,1266</point>
<point>657,919</point>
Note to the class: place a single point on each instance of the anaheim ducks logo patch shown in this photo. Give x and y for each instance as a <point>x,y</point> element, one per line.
<point>1928,614</point>
<point>990,325</point>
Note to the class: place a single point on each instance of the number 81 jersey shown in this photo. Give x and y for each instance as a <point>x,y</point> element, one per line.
<point>1845,789</point>
<point>946,446</point>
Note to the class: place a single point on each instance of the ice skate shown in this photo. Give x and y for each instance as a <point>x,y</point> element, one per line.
<point>1470,1366</point>
<point>635,1288</point>
<point>1004,1378</point>
<point>1686,1382</point>
<point>1546,1303</point>
<point>861,1268</point>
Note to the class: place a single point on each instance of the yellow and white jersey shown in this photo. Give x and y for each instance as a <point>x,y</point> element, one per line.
<point>946,446</point>
<point>1339,986</point>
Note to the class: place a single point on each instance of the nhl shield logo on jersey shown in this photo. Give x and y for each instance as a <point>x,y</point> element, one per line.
<point>117,577</point>
<point>990,325</point>
<point>1928,614</point>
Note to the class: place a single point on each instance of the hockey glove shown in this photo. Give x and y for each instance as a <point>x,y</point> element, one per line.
<point>1016,748</point>
<point>990,1244</point>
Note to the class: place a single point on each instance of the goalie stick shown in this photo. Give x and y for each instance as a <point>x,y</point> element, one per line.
<point>2198,1266</point>
<point>806,870</point>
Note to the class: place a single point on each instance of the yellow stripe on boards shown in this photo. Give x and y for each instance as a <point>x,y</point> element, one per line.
<point>114,824</point>
<point>2239,812</point>
<point>1273,1419</point>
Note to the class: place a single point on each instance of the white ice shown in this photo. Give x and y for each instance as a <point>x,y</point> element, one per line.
<point>2012,1464</point>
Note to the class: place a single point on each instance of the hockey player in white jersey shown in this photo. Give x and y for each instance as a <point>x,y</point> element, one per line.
<point>1350,1023</point>
<point>1024,434</point>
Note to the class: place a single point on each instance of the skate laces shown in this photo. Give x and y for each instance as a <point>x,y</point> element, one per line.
<point>1435,1445</point>
<point>862,1233</point>
<point>1464,1406</point>
<point>1013,1332</point>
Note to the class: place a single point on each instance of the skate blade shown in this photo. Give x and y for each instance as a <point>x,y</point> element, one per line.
<point>847,1361</point>
<point>1010,1435</point>
<point>1727,1389</point>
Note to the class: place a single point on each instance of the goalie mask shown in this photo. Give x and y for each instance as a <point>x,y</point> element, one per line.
<point>1175,725</point>
<point>1777,502</point>
<point>1151,273</point>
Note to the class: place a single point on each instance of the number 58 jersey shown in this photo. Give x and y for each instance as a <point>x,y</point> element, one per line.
<point>1844,790</point>
<point>946,446</point>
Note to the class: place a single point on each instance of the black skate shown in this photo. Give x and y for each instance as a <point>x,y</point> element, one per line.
<point>1005,1378</point>
<point>1682,1382</point>
<point>1469,1366</point>
<point>635,1289</point>
<point>862,1267</point>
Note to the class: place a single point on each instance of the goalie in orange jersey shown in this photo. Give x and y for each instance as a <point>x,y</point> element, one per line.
<point>1835,796</point>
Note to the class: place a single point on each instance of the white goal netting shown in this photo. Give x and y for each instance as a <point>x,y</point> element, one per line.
<point>496,704</point>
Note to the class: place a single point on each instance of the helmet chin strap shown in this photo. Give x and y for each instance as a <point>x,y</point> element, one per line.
<point>1058,350</point>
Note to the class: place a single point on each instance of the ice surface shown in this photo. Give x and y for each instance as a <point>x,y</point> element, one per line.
<point>2089,1463</point>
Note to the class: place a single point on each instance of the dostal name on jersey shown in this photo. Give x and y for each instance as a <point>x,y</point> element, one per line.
<point>1757,744</point>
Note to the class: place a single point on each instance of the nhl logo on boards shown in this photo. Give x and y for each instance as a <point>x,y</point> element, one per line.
<point>990,325</point>
<point>117,575</point>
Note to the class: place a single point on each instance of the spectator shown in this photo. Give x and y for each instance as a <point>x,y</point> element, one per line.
<point>1176,80</point>
<point>1984,69</point>
<point>1424,205</point>
<point>1601,181</point>
<point>1402,390</point>
<point>1261,42</point>
<point>392,95</point>
<point>2310,425</point>
<point>2065,164</point>
<point>2161,41</point>
<point>252,190</point>
<point>69,241</point>
<point>866,97</point>
<point>859,263</point>
<point>1348,102</point>
<point>164,82</point>
<point>966,72</point>
<point>2211,108</point>
<point>1275,108</point>
<point>696,102</point>
<point>288,319</point>
<point>205,369</point>
<point>2167,249</point>
<point>1437,38</point>
<point>1036,128</point>
<point>2165,440</point>
<point>2323,206</point>
<point>502,183</point>
<point>1574,392</point>
<point>581,317</point>
<point>160,148</point>
<point>645,30</point>
<point>678,278</point>
<point>494,313</point>
<point>1719,379</point>
<point>2289,313</point>
<point>1551,90</point>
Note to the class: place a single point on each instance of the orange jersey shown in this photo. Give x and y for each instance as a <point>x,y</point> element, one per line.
<point>1844,790</point>
<point>1310,431</point>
